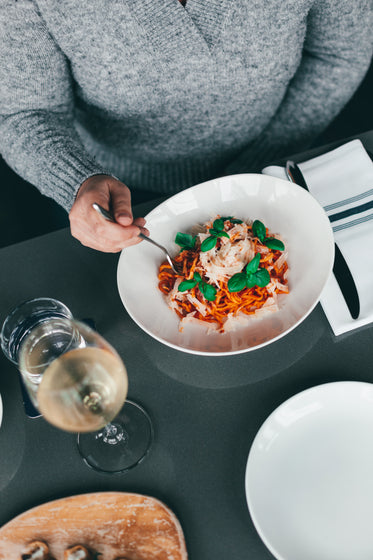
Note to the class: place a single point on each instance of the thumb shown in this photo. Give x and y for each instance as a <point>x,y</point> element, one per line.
<point>121,204</point>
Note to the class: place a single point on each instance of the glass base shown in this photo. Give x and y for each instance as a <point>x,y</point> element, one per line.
<point>122,444</point>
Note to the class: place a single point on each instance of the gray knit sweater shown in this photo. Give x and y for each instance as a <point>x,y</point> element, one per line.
<point>163,96</point>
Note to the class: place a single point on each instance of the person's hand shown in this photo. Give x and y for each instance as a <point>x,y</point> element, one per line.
<point>91,229</point>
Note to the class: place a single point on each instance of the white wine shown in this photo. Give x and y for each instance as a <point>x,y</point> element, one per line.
<point>79,383</point>
<point>83,389</point>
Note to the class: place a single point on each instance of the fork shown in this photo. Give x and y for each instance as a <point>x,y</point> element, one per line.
<point>176,267</point>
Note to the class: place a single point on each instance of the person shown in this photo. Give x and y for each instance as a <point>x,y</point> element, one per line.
<point>99,99</point>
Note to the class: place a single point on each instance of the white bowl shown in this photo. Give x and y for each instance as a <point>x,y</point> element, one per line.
<point>284,207</point>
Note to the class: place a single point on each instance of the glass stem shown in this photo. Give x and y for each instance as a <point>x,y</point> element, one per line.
<point>112,434</point>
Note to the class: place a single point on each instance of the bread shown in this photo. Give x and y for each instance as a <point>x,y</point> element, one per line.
<point>77,552</point>
<point>109,524</point>
<point>36,550</point>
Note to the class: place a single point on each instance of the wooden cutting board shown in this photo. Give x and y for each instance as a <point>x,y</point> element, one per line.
<point>112,523</point>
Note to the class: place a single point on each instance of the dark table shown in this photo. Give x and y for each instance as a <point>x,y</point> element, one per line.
<point>206,410</point>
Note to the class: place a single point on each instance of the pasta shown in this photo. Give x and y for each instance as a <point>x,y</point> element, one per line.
<point>233,269</point>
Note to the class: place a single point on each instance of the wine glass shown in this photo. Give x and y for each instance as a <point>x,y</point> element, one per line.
<point>79,383</point>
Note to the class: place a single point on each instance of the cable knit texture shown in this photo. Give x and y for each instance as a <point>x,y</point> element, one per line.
<point>165,96</point>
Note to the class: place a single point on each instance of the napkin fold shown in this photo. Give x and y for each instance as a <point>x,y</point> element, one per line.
<point>342,182</point>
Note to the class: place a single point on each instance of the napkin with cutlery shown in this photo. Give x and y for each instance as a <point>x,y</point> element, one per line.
<point>342,182</point>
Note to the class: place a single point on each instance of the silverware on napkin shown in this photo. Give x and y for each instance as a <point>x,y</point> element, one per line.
<point>341,270</point>
<point>176,267</point>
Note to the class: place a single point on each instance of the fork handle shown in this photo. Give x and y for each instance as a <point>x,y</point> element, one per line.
<point>146,238</point>
<point>110,218</point>
<point>104,213</point>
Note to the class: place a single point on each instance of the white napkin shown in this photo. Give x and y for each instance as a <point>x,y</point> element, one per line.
<point>342,182</point>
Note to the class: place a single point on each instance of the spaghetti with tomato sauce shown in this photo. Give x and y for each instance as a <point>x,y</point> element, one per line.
<point>231,271</point>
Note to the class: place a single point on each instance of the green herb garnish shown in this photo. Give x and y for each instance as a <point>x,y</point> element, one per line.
<point>186,285</point>
<point>216,231</point>
<point>262,277</point>
<point>253,265</point>
<point>232,220</point>
<point>273,243</point>
<point>207,290</point>
<point>259,230</point>
<point>250,277</point>
<point>185,240</point>
<point>237,282</point>
<point>189,284</point>
<point>218,224</point>
<point>209,243</point>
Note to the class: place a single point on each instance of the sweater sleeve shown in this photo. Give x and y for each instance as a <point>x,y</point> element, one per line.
<point>37,135</point>
<point>336,55</point>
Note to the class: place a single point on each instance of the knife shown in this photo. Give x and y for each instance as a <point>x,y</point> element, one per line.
<point>340,268</point>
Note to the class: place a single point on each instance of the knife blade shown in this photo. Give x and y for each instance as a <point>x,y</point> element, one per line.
<point>341,270</point>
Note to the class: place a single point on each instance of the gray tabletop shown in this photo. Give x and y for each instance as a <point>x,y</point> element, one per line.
<point>206,410</point>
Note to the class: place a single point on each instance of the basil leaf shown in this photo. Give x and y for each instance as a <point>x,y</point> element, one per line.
<point>262,277</point>
<point>250,281</point>
<point>259,230</point>
<point>218,224</point>
<point>232,220</point>
<point>185,240</point>
<point>197,276</point>
<point>216,234</point>
<point>208,291</point>
<point>253,265</point>
<point>208,244</point>
<point>237,282</point>
<point>187,285</point>
<point>274,244</point>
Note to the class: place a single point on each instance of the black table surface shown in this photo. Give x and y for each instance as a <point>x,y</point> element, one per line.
<point>206,411</point>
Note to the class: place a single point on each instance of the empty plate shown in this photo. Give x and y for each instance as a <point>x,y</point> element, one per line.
<point>309,475</point>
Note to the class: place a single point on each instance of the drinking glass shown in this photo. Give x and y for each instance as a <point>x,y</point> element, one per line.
<point>19,322</point>
<point>23,318</point>
<point>79,383</point>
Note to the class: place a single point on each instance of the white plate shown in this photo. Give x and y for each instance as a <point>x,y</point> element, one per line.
<point>283,207</point>
<point>309,476</point>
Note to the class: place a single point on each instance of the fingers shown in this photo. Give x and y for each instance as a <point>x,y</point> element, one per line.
<point>91,229</point>
<point>140,222</point>
<point>104,236</point>
<point>121,204</point>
